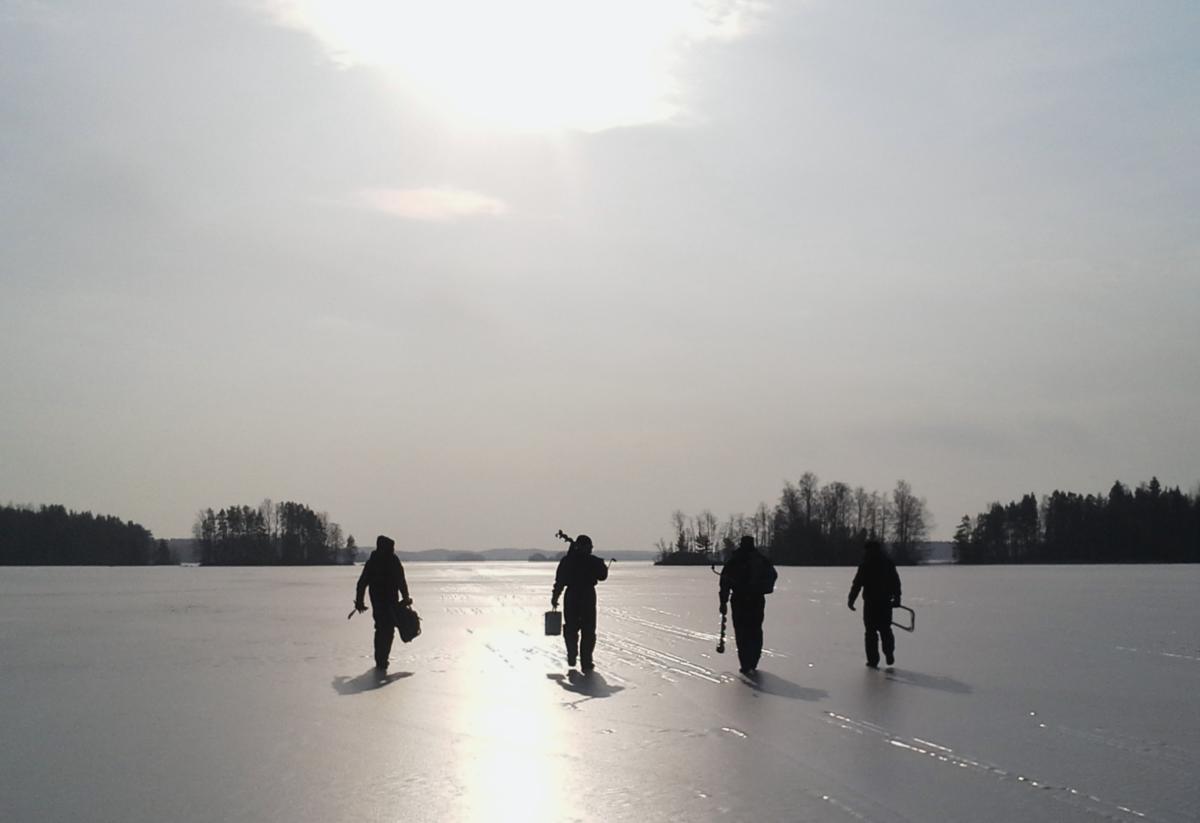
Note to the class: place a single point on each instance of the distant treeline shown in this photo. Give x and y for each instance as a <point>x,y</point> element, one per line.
<point>811,525</point>
<point>54,536</point>
<point>1147,525</point>
<point>270,534</point>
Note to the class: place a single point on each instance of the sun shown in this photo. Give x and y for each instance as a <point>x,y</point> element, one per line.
<point>525,64</point>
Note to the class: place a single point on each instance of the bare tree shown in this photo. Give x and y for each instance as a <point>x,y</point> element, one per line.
<point>706,531</point>
<point>732,531</point>
<point>808,491</point>
<point>664,548</point>
<point>270,517</point>
<point>835,507</point>
<point>741,526</point>
<point>881,516</point>
<point>862,508</point>
<point>679,523</point>
<point>762,525</point>
<point>912,524</point>
<point>333,537</point>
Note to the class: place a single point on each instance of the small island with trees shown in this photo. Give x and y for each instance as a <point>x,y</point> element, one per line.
<point>811,525</point>
<point>284,534</point>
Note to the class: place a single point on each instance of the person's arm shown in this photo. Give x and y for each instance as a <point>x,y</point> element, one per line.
<point>725,586</point>
<point>361,589</point>
<point>601,569</point>
<point>402,581</point>
<point>895,587</point>
<point>856,586</point>
<point>560,580</point>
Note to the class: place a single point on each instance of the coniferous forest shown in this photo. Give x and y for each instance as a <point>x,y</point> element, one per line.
<point>269,534</point>
<point>1149,524</point>
<point>54,536</point>
<point>811,525</point>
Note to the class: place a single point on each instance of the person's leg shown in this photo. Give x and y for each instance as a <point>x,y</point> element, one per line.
<point>587,626</point>
<point>889,642</point>
<point>881,622</point>
<point>385,630</point>
<point>755,630</point>
<point>871,636</point>
<point>871,645</point>
<point>571,627</point>
<point>742,632</point>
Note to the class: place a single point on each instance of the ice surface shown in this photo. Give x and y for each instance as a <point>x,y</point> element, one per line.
<point>192,694</point>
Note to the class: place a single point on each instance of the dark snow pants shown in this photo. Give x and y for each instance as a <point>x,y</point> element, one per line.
<point>385,632</point>
<point>877,620</point>
<point>579,617</point>
<point>748,612</point>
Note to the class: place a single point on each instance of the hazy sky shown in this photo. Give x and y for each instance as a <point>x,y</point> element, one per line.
<point>466,273</point>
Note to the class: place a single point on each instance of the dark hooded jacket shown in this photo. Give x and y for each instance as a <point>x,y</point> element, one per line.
<point>579,569</point>
<point>741,573</point>
<point>383,575</point>
<point>876,579</point>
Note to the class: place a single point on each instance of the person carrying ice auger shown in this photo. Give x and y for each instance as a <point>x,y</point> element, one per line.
<point>383,576</point>
<point>750,576</point>
<point>579,572</point>
<point>880,586</point>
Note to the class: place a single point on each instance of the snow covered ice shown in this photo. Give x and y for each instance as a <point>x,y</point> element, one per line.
<point>197,694</point>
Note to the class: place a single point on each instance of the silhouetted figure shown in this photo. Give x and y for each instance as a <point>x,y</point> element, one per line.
<point>880,586</point>
<point>383,576</point>
<point>750,576</point>
<point>579,572</point>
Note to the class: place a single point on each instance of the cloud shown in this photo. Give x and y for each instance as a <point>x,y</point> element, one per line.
<point>431,204</point>
<point>526,64</point>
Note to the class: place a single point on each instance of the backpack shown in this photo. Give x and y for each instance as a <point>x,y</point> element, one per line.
<point>761,574</point>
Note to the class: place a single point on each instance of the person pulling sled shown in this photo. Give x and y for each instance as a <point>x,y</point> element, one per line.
<point>879,583</point>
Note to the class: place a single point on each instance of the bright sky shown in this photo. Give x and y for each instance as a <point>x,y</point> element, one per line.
<point>469,272</point>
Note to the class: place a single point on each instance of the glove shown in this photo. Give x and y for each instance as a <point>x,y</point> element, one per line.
<point>406,601</point>
<point>360,607</point>
<point>896,601</point>
<point>554,602</point>
<point>723,609</point>
<point>850,604</point>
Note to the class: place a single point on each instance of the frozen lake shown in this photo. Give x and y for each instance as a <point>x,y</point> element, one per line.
<point>189,694</point>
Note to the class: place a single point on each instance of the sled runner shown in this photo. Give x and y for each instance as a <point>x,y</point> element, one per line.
<point>912,619</point>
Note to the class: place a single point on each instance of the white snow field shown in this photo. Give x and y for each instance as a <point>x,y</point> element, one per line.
<point>196,694</point>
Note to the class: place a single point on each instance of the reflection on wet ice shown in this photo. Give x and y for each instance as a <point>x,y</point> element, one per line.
<point>513,764</point>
